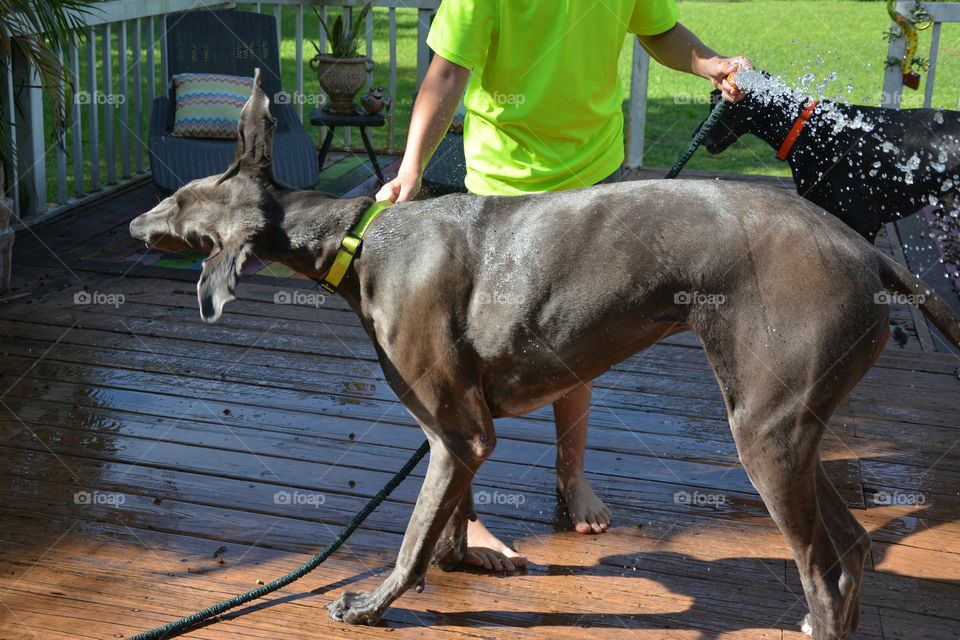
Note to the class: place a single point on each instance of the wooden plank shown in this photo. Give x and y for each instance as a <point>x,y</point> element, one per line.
<point>919,320</point>
<point>236,329</point>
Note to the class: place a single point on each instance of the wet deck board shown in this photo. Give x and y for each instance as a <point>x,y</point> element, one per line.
<point>198,428</point>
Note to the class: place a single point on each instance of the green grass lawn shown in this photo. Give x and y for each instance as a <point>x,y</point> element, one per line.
<point>789,38</point>
<point>786,37</point>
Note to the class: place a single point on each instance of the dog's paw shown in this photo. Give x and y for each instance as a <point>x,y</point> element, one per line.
<point>356,607</point>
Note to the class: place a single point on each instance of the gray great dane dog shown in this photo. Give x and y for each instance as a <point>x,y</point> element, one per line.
<point>482,307</point>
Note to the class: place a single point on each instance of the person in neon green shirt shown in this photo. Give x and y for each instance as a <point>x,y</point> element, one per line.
<point>543,114</point>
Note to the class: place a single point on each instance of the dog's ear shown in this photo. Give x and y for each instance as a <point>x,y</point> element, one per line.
<point>715,97</point>
<point>254,152</point>
<point>218,280</point>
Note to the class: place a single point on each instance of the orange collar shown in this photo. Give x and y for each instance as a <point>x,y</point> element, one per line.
<point>795,131</point>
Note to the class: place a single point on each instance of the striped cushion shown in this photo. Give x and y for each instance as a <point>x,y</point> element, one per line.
<point>208,104</point>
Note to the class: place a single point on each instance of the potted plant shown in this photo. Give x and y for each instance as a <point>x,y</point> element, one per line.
<point>34,31</point>
<point>343,71</point>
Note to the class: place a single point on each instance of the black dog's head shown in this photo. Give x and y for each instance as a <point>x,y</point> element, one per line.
<point>740,118</point>
<point>728,129</point>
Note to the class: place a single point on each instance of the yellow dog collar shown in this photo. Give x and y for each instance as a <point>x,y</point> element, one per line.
<point>349,248</point>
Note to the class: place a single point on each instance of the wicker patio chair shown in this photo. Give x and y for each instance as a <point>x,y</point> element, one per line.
<point>232,43</point>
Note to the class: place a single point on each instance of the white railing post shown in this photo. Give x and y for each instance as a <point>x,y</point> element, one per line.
<point>93,135</point>
<point>76,115</point>
<point>424,16</point>
<point>61,151</point>
<point>637,112</point>
<point>368,27</point>
<point>31,152</point>
<point>12,189</point>
<point>151,64</point>
<point>393,78</point>
<point>932,71</point>
<point>109,150</point>
<point>124,98</point>
<point>138,96</point>
<point>299,50</point>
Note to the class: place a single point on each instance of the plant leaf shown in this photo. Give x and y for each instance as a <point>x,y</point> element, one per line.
<point>336,39</point>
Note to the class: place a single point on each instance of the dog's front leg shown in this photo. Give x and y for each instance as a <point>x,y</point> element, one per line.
<point>453,461</point>
<point>452,545</point>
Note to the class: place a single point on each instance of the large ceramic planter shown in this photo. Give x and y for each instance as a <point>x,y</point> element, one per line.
<point>6,243</point>
<point>341,78</point>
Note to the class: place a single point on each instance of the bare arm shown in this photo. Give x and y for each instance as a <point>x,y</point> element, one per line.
<point>678,48</point>
<point>432,114</point>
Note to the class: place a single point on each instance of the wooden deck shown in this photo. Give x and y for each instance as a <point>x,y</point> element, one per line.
<point>153,465</point>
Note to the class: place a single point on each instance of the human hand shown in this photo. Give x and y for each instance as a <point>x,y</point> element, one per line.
<point>404,187</point>
<point>719,74</point>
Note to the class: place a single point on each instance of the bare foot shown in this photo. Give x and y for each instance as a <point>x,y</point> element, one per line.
<point>587,511</point>
<point>485,550</point>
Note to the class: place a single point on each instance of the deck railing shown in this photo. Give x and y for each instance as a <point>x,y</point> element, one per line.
<point>117,68</point>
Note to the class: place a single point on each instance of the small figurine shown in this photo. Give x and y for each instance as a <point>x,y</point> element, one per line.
<point>374,102</point>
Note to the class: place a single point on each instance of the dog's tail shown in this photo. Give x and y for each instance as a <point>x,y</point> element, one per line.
<point>897,278</point>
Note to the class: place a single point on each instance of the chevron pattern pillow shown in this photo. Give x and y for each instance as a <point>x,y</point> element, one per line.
<point>208,104</point>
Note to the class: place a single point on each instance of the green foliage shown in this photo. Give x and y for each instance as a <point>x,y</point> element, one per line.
<point>344,41</point>
<point>57,21</point>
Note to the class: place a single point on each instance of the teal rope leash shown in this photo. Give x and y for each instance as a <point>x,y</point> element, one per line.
<point>698,137</point>
<point>174,628</point>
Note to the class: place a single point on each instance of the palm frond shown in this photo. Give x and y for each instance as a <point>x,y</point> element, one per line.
<point>35,31</point>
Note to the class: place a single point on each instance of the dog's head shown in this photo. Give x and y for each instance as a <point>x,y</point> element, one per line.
<point>225,215</point>
<point>729,127</point>
<point>740,118</point>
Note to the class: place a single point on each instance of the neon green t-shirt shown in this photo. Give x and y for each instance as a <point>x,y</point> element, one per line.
<point>544,100</point>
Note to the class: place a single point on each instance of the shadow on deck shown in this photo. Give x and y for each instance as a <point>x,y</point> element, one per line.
<point>153,466</point>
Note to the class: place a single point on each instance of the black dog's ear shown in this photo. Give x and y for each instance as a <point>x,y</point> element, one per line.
<point>715,97</point>
<point>218,281</point>
<point>254,152</point>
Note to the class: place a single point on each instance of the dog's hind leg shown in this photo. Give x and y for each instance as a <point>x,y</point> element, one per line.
<point>849,538</point>
<point>780,457</point>
<point>779,408</point>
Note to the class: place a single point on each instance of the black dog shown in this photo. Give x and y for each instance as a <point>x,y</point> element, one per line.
<point>865,165</point>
